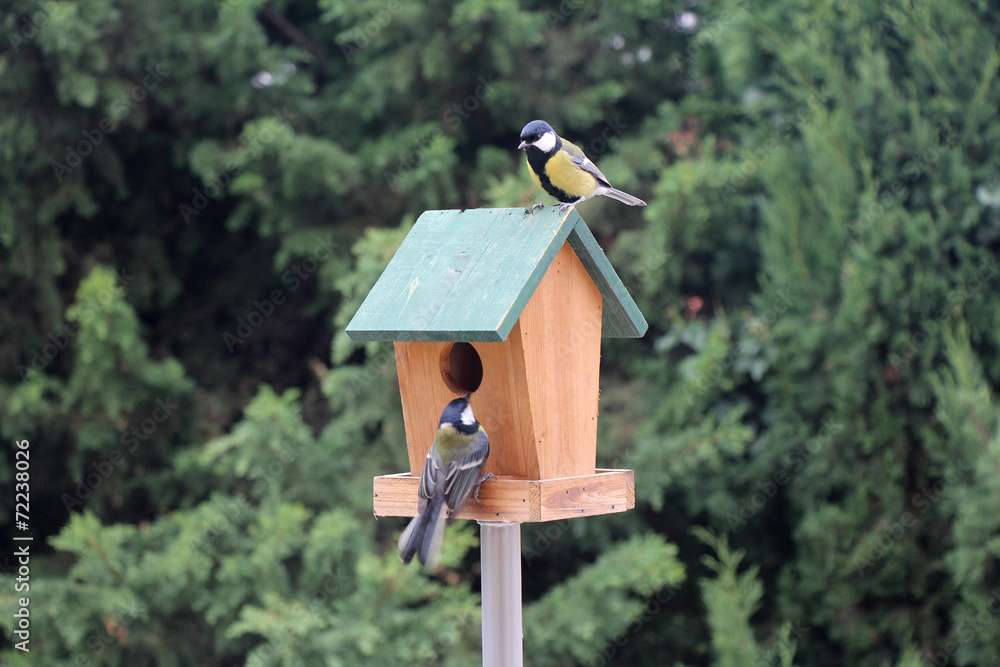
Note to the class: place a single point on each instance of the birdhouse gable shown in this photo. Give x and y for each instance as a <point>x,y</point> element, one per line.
<point>469,275</point>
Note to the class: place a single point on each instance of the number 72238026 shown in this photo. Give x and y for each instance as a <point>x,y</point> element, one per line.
<point>22,492</point>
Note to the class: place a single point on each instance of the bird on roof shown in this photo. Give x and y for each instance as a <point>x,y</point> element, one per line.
<point>561,169</point>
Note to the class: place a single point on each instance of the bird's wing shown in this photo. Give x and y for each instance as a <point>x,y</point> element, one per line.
<point>583,162</point>
<point>463,474</point>
<point>429,478</point>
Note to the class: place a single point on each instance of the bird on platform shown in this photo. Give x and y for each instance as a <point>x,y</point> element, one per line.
<point>562,170</point>
<point>451,474</point>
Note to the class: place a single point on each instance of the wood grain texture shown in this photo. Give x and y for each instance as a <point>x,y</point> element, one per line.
<point>561,337</point>
<point>526,501</point>
<point>462,275</point>
<point>467,276</point>
<point>501,404</point>
<point>538,398</point>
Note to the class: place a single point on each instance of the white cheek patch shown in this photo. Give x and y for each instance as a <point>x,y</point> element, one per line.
<point>546,142</point>
<point>467,417</point>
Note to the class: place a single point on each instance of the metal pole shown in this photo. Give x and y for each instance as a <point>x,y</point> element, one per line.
<point>501,552</point>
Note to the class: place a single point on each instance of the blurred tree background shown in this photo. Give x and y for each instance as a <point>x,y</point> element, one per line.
<point>194,200</point>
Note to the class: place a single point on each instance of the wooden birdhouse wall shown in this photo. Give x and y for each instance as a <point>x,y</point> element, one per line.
<point>539,391</point>
<point>561,337</point>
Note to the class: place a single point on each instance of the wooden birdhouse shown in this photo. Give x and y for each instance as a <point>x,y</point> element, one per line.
<point>510,306</point>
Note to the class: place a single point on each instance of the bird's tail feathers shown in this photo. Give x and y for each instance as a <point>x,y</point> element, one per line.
<point>430,550</point>
<point>623,197</point>
<point>424,535</point>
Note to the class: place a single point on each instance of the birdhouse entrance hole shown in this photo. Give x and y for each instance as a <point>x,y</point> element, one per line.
<point>461,368</point>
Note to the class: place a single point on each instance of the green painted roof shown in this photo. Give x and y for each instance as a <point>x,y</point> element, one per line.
<point>467,276</point>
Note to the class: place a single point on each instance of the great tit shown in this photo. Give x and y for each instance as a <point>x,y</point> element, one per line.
<point>562,170</point>
<point>451,474</point>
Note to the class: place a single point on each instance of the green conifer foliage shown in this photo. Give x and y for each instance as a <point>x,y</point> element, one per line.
<point>195,198</point>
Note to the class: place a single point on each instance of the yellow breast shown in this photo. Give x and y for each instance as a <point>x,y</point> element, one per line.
<point>568,177</point>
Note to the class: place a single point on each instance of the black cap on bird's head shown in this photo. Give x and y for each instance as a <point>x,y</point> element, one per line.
<point>539,135</point>
<point>458,414</point>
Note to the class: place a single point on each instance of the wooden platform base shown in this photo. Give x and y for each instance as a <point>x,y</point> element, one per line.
<point>521,500</point>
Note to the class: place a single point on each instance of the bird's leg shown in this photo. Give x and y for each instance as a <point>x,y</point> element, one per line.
<point>536,207</point>
<point>482,479</point>
<point>565,205</point>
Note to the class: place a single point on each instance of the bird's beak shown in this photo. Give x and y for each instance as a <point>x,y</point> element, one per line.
<point>521,146</point>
